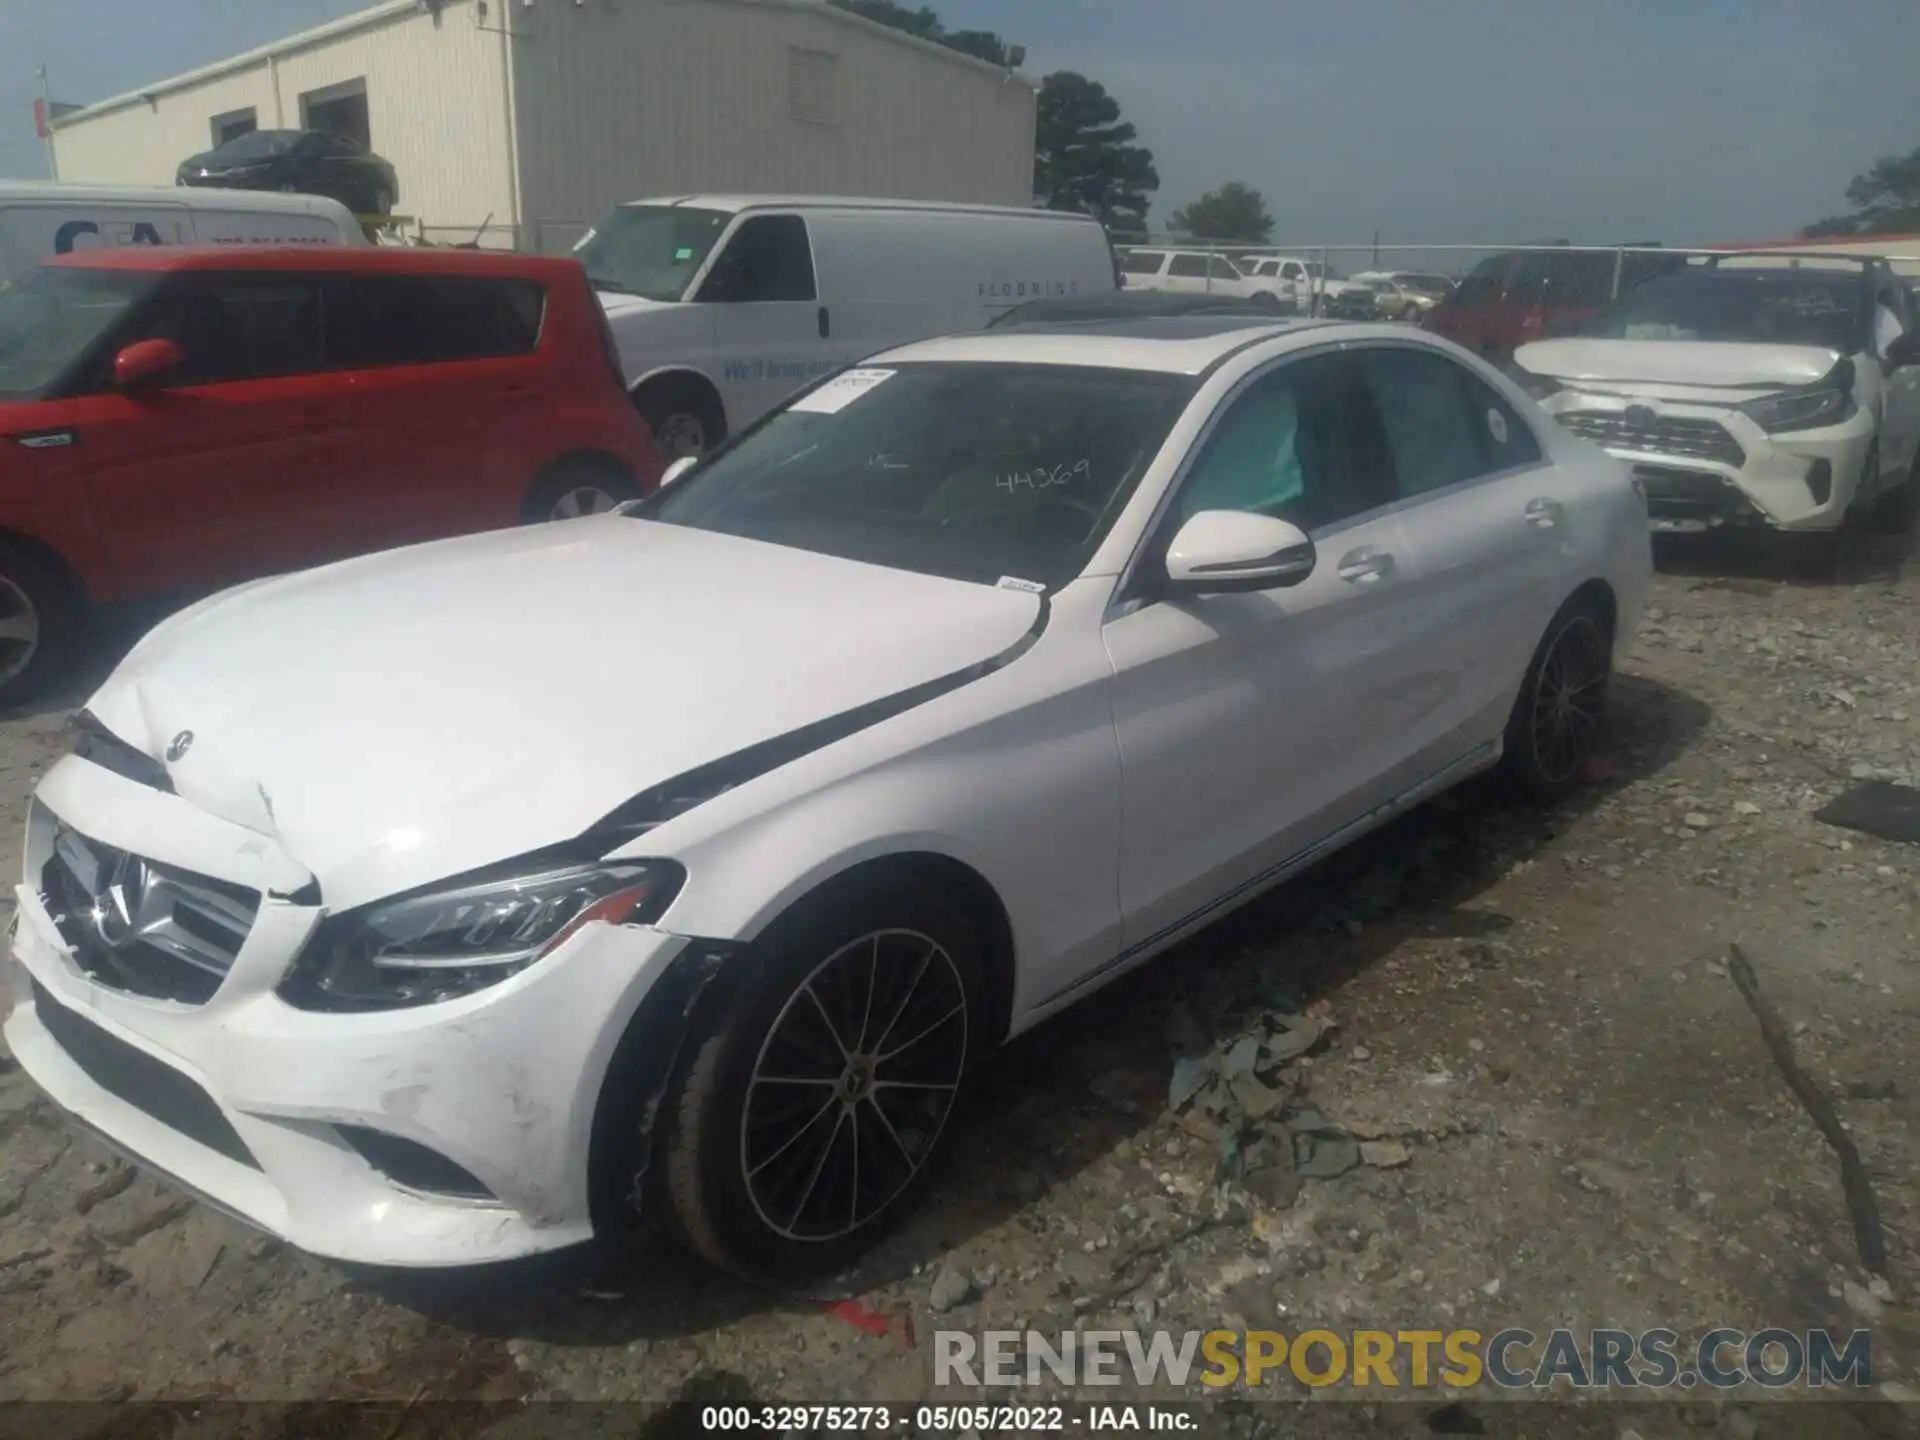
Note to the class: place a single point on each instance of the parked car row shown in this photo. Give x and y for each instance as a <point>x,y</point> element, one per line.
<point>929,688</point>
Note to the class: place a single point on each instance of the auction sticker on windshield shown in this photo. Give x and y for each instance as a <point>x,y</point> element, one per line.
<point>841,391</point>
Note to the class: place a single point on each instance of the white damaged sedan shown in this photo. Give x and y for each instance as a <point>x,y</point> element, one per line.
<point>474,900</point>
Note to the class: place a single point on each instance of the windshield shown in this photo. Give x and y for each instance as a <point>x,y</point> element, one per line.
<point>50,317</point>
<point>259,145</point>
<point>1784,307</point>
<point>971,471</point>
<point>651,250</point>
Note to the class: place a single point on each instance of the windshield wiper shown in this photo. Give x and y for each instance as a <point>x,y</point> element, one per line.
<point>613,287</point>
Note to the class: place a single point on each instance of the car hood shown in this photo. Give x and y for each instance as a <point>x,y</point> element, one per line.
<point>404,717</point>
<point>617,304</point>
<point>1705,363</point>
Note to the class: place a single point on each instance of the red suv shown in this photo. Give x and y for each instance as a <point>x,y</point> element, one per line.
<point>180,419</point>
<point>1511,300</point>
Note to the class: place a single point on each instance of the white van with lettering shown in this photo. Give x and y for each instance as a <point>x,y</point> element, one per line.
<point>41,219</point>
<point>723,305</point>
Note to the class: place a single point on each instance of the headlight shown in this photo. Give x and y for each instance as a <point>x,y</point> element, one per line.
<point>1827,403</point>
<point>466,935</point>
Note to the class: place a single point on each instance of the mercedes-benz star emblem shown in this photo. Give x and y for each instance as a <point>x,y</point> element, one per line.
<point>178,746</point>
<point>1640,415</point>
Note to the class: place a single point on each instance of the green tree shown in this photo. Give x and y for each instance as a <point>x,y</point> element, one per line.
<point>1234,212</point>
<point>1886,201</point>
<point>922,22</point>
<point>1085,158</point>
<point>926,24</point>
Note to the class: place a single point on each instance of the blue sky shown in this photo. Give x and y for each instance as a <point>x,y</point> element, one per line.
<point>1442,120</point>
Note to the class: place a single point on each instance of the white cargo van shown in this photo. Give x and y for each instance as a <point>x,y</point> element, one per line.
<point>722,305</point>
<point>39,220</point>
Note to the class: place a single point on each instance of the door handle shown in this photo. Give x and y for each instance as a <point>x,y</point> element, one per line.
<point>826,323</point>
<point>1365,566</point>
<point>1544,514</point>
<point>317,422</point>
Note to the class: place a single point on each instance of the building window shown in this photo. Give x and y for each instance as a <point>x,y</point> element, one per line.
<point>338,110</point>
<point>234,124</point>
<point>813,86</point>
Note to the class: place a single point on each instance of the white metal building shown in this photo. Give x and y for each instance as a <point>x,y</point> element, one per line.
<point>535,117</point>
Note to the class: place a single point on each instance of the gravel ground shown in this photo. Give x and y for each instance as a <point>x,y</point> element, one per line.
<point>1570,1116</point>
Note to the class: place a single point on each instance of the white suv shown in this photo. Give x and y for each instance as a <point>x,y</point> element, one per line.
<point>1185,272</point>
<point>1308,283</point>
<point>1776,390</point>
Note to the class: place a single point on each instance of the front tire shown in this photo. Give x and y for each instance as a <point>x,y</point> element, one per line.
<point>685,417</point>
<point>1559,719</point>
<point>822,1092</point>
<point>1893,512</point>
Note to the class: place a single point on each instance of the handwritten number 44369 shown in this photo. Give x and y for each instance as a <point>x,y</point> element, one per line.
<point>1046,477</point>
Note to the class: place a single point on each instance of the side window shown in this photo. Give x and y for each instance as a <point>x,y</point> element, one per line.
<point>242,325</point>
<point>1293,272</point>
<point>1299,444</point>
<point>1139,264</point>
<point>1220,269</point>
<point>1890,320</point>
<point>769,258</point>
<point>1433,434</point>
<point>1189,267</point>
<point>382,320</point>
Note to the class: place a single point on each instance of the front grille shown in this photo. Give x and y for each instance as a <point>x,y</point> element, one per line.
<point>1660,435</point>
<point>141,927</point>
<point>145,1083</point>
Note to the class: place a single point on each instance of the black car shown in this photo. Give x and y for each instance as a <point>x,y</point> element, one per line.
<point>305,162</point>
<point>1133,305</point>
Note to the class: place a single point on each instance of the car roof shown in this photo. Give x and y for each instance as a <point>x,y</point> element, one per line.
<point>733,204</point>
<point>1171,345</point>
<point>374,259</point>
<point>61,192</point>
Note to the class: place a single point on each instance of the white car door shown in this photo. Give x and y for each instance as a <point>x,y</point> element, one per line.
<point>1491,525</point>
<point>771,331</point>
<point>1253,725</point>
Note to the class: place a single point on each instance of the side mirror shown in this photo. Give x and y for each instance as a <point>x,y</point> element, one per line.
<point>1223,551</point>
<point>1904,351</point>
<point>678,468</point>
<point>146,364</point>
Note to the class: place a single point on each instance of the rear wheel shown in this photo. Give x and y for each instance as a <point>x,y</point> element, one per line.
<point>1560,716</point>
<point>39,617</point>
<point>582,486</point>
<point>821,1091</point>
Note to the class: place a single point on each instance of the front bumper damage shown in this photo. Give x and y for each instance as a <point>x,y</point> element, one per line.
<point>451,1134</point>
<point>1743,477</point>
